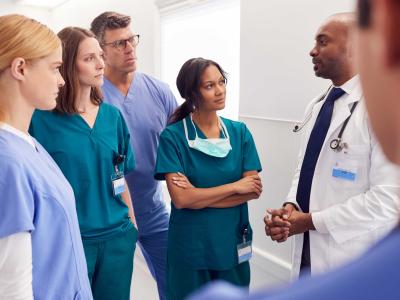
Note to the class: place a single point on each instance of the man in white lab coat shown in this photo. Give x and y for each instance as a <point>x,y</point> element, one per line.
<point>344,194</point>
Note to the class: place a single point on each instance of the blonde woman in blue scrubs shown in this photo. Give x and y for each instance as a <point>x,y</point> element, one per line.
<point>41,253</point>
<point>211,168</point>
<point>90,142</point>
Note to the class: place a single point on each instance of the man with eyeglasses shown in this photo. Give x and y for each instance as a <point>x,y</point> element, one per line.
<point>146,104</point>
<point>376,274</point>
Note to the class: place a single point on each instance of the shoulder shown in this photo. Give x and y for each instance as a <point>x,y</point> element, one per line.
<point>154,84</point>
<point>41,115</point>
<point>174,130</point>
<point>110,110</point>
<point>152,81</point>
<point>236,126</point>
<point>113,114</point>
<point>12,164</point>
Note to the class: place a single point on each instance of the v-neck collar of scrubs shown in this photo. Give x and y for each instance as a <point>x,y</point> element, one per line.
<point>124,97</point>
<point>86,124</point>
<point>200,133</point>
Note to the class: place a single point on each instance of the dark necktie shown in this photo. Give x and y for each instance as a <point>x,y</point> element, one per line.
<point>314,146</point>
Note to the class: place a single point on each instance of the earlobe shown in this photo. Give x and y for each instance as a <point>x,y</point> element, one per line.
<point>18,68</point>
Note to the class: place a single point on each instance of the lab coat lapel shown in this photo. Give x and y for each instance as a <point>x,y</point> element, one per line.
<point>342,110</point>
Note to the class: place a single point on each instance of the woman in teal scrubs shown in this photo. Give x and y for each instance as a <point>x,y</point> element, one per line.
<point>211,168</point>
<point>89,140</point>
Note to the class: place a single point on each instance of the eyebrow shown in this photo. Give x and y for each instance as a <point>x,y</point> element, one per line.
<point>211,81</point>
<point>91,53</point>
<point>321,35</point>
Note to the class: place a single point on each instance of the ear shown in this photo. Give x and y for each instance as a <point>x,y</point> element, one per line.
<point>18,68</point>
<point>389,15</point>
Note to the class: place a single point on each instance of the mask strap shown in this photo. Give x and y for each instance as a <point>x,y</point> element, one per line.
<point>194,126</point>
<point>223,127</point>
<point>186,130</point>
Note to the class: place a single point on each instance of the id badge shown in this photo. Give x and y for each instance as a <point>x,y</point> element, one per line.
<point>118,183</point>
<point>245,251</point>
<point>345,171</point>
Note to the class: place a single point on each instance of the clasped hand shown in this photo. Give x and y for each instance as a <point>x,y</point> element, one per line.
<point>286,221</point>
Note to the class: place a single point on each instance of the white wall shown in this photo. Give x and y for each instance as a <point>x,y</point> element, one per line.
<point>42,15</point>
<point>144,14</point>
<point>276,83</point>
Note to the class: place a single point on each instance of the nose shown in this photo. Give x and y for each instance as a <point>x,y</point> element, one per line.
<point>314,51</point>
<point>100,63</point>
<point>60,81</point>
<point>220,89</point>
<point>129,47</point>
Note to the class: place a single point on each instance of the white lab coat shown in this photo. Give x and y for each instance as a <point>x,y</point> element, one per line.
<point>349,215</point>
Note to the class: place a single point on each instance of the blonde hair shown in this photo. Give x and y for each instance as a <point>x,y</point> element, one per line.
<point>23,37</point>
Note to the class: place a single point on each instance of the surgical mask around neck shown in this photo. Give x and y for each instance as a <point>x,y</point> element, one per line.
<point>216,147</point>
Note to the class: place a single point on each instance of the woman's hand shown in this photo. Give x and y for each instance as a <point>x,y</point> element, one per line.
<point>181,181</point>
<point>249,184</point>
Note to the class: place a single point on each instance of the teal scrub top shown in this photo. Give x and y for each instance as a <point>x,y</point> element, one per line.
<point>86,157</point>
<point>206,238</point>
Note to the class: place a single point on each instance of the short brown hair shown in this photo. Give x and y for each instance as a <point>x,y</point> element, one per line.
<point>108,20</point>
<point>71,37</point>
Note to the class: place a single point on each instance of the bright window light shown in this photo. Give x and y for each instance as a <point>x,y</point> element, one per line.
<point>210,29</point>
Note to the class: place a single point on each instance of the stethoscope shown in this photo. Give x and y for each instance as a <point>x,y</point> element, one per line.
<point>336,144</point>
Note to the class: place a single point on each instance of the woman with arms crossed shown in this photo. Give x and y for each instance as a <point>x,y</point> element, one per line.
<point>211,167</point>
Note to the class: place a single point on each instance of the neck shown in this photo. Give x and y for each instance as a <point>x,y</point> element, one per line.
<point>14,109</point>
<point>346,76</point>
<point>121,80</point>
<point>83,101</point>
<point>205,119</point>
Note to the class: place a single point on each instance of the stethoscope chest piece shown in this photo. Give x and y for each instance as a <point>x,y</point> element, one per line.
<point>335,145</point>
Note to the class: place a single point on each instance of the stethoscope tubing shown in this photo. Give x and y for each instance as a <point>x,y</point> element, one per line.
<point>336,144</point>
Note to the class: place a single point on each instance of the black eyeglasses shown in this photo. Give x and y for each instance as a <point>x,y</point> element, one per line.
<point>364,13</point>
<point>121,44</point>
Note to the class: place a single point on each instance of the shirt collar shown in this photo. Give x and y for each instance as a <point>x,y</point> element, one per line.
<point>350,85</point>
<point>18,133</point>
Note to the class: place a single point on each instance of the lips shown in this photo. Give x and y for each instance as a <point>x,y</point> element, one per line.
<point>317,63</point>
<point>130,59</point>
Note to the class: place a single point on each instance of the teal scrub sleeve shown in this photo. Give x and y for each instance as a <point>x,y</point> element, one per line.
<point>126,149</point>
<point>17,199</point>
<point>168,156</point>
<point>251,161</point>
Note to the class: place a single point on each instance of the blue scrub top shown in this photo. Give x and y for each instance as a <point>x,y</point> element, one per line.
<point>206,238</point>
<point>36,197</point>
<point>146,109</point>
<point>373,276</point>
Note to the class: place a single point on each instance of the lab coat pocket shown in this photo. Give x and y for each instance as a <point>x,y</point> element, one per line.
<point>350,167</point>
